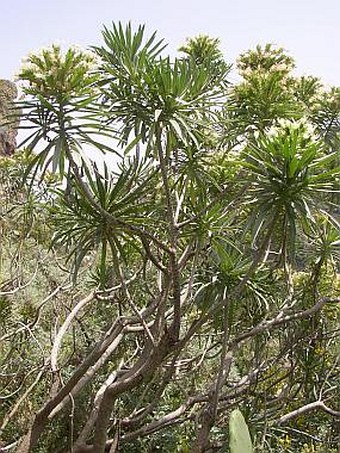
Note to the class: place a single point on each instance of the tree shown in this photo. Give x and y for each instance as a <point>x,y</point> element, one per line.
<point>200,273</point>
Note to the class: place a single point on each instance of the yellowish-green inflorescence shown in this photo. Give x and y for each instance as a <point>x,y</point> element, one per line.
<point>52,73</point>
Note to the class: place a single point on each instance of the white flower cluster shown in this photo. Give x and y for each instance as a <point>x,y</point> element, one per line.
<point>307,130</point>
<point>56,55</point>
<point>265,60</point>
<point>53,71</point>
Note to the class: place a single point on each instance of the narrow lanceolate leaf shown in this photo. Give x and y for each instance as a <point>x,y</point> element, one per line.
<point>57,154</point>
<point>132,144</point>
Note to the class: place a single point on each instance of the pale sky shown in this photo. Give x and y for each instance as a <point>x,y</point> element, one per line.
<point>308,29</point>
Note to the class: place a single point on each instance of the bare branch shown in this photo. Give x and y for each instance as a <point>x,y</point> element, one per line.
<point>64,327</point>
<point>307,408</point>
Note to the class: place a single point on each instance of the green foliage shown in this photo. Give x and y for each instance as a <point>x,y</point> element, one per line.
<point>203,49</point>
<point>143,93</point>
<point>79,222</point>
<point>62,107</point>
<point>290,171</point>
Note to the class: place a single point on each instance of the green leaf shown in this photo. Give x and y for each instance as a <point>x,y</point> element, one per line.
<point>132,144</point>
<point>240,440</point>
<point>57,154</point>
